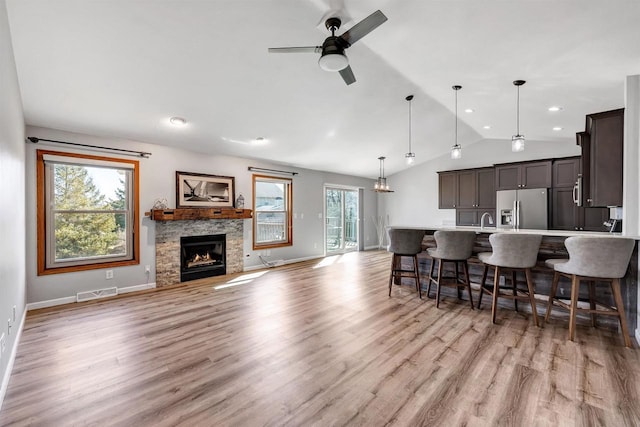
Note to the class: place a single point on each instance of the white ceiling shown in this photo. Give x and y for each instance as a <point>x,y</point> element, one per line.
<point>123,67</point>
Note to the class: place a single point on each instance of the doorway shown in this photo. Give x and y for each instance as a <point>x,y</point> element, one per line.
<point>341,219</point>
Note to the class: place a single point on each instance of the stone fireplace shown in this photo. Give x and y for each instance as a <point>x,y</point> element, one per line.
<point>168,249</point>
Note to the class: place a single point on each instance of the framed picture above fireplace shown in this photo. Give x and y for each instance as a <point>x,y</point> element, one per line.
<point>197,190</point>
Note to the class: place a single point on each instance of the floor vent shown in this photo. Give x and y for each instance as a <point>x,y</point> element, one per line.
<point>96,294</point>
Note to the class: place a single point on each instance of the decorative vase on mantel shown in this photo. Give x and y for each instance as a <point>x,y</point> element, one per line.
<point>240,202</point>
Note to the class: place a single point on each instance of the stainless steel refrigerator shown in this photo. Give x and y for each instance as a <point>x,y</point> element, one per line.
<point>522,208</point>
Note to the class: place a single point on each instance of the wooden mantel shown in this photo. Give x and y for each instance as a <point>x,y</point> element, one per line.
<point>181,214</point>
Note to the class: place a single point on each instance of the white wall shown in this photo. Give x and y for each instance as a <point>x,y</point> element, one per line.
<point>12,208</point>
<point>415,200</point>
<point>157,175</point>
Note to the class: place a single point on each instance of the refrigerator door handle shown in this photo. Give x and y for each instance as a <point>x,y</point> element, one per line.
<point>518,215</point>
<point>515,214</point>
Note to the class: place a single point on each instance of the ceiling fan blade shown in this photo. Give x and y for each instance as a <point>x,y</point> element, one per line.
<point>307,49</point>
<point>347,75</point>
<point>363,27</point>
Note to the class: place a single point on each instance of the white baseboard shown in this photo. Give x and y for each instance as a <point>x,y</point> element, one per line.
<point>136,288</point>
<point>72,299</point>
<point>373,248</point>
<point>50,303</point>
<point>12,358</point>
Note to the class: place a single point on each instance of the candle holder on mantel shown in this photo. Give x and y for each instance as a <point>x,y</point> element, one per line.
<point>240,202</point>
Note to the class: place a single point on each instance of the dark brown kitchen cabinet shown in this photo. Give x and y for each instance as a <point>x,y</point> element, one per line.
<point>606,132</point>
<point>476,188</point>
<point>472,217</point>
<point>523,175</point>
<point>447,190</point>
<point>565,213</point>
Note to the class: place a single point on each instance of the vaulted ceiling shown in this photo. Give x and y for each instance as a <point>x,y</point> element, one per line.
<point>121,68</point>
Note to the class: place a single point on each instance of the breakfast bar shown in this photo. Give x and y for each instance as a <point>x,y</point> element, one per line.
<point>551,247</point>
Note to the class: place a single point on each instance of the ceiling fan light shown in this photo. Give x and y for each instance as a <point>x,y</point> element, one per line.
<point>333,61</point>
<point>517,143</point>
<point>456,152</point>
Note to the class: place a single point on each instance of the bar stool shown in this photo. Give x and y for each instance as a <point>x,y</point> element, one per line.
<point>602,259</point>
<point>514,252</point>
<point>405,243</point>
<point>453,247</point>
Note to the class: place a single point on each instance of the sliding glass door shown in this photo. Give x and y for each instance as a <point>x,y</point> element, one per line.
<point>341,216</point>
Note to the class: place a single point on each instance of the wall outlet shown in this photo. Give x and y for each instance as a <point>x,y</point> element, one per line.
<point>3,344</point>
<point>147,269</point>
<point>108,274</point>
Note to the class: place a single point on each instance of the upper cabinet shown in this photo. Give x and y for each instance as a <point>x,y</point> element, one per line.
<point>469,188</point>
<point>447,190</point>
<point>476,188</point>
<point>605,131</point>
<point>523,175</point>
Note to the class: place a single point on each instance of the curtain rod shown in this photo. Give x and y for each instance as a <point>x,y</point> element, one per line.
<point>254,169</point>
<point>119,150</point>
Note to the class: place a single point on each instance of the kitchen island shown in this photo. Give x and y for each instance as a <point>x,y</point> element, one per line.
<point>552,246</point>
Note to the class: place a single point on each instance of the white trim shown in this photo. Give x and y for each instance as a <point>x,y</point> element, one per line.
<point>69,300</point>
<point>286,261</point>
<point>50,303</point>
<point>638,336</point>
<point>12,358</point>
<point>135,288</point>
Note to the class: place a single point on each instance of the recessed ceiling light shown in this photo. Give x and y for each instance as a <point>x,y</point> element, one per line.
<point>178,121</point>
<point>556,128</point>
<point>486,127</point>
<point>468,110</point>
<point>555,108</point>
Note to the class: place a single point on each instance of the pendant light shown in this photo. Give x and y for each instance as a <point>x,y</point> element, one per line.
<point>381,185</point>
<point>517,141</point>
<point>410,157</point>
<point>456,150</point>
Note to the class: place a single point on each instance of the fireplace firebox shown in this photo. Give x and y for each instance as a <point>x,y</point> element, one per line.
<point>202,256</point>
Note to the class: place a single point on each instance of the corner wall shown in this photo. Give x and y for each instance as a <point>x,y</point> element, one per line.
<point>12,208</point>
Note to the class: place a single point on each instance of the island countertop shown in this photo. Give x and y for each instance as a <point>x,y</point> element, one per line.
<point>491,230</point>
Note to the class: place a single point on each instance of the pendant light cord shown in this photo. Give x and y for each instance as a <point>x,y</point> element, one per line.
<point>456,117</point>
<point>518,113</point>
<point>410,126</point>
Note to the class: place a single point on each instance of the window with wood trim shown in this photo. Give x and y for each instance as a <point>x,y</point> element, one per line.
<point>272,225</point>
<point>87,212</point>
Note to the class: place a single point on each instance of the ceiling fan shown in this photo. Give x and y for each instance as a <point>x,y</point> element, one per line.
<point>332,56</point>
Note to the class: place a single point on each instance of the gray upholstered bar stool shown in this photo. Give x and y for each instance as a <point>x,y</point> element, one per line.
<point>405,243</point>
<point>514,252</point>
<point>452,247</point>
<point>592,259</point>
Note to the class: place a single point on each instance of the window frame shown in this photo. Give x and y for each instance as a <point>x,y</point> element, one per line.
<point>44,213</point>
<point>288,211</point>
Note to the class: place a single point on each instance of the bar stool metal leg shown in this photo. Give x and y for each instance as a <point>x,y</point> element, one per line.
<point>592,301</point>
<point>552,295</point>
<point>482,282</point>
<point>575,285</point>
<point>496,290</point>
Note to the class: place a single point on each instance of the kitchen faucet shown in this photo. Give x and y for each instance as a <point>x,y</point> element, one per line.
<point>482,220</point>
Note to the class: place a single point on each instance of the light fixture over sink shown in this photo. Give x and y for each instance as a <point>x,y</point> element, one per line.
<point>517,141</point>
<point>410,157</point>
<point>381,185</point>
<point>456,150</point>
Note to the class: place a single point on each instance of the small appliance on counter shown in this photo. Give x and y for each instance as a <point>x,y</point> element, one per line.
<point>522,208</point>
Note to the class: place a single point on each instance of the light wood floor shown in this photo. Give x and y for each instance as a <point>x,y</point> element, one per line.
<point>313,344</point>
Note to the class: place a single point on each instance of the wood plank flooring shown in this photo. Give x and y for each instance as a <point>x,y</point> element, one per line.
<point>315,343</point>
